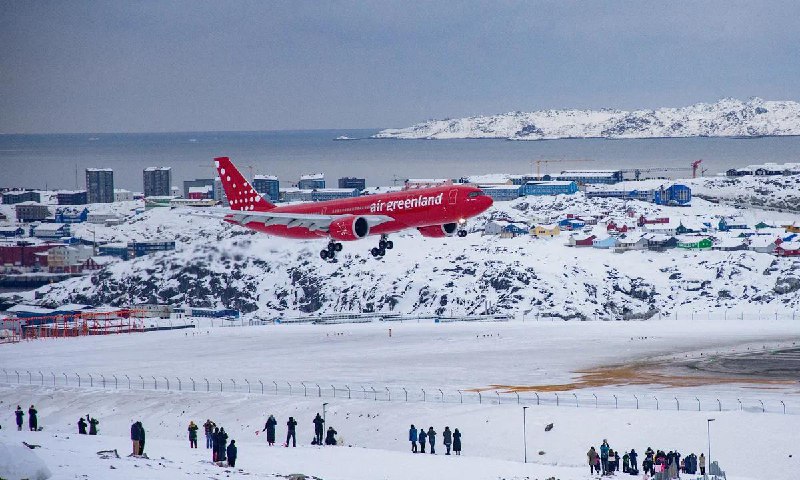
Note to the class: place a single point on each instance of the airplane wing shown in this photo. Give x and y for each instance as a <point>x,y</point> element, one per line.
<point>308,220</point>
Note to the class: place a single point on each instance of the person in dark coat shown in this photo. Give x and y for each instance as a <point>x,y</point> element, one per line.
<point>141,438</point>
<point>193,428</point>
<point>81,426</point>
<point>20,414</point>
<point>215,444</point>
<point>412,437</point>
<point>232,451</point>
<point>422,436</point>
<point>93,423</point>
<point>32,420</point>
<point>319,429</point>
<point>432,440</point>
<point>270,429</point>
<point>222,442</point>
<point>135,437</point>
<point>330,437</point>
<point>457,442</point>
<point>447,439</point>
<point>208,428</point>
<point>291,426</point>
<point>633,455</point>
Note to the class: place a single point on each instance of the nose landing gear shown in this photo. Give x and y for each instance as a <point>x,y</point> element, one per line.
<point>329,253</point>
<point>383,245</point>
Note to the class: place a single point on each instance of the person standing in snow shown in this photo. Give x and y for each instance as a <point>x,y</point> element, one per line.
<point>604,448</point>
<point>81,426</point>
<point>633,455</point>
<point>412,437</point>
<point>33,422</point>
<point>457,442</point>
<point>141,438</point>
<point>232,453</point>
<point>701,462</point>
<point>270,429</point>
<point>215,444</point>
<point>626,461</point>
<point>208,427</point>
<point>193,428</point>
<point>319,429</point>
<point>135,437</point>
<point>611,461</point>
<point>93,423</point>
<point>422,436</point>
<point>291,427</point>
<point>447,439</point>
<point>592,456</point>
<point>20,414</point>
<point>222,443</point>
<point>432,440</point>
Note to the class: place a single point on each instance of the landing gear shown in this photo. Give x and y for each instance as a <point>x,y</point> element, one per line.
<point>383,245</point>
<point>462,233</point>
<point>330,252</point>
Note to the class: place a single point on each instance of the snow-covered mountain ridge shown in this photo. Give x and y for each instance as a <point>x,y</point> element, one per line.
<point>726,118</point>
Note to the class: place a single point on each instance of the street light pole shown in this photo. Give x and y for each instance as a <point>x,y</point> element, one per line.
<point>524,433</point>
<point>708,423</point>
<point>323,411</point>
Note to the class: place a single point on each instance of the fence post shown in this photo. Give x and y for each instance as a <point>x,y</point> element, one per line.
<point>220,384</point>
<point>406,393</point>
<point>319,391</point>
<point>442,394</point>
<point>30,377</point>
<point>248,384</point>
<point>91,380</point>
<point>66,379</point>
<point>305,391</point>
<point>616,402</point>
<point>537,397</point>
<point>517,393</point>
<point>677,403</point>
<point>374,394</point>
<point>388,395</point>
<point>208,385</point>
<point>423,395</point>
<point>41,377</point>
<point>290,388</point>
<point>762,406</point>
<point>480,398</point>
<point>116,382</point>
<point>54,378</point>
<point>129,381</point>
<point>180,384</point>
<point>234,384</point>
<point>719,404</point>
<point>656,402</point>
<point>104,380</point>
<point>740,403</point>
<point>784,407</point>
<point>276,386</point>
<point>262,386</point>
<point>556,399</point>
<point>348,391</point>
<point>79,379</point>
<point>18,375</point>
<point>460,397</point>
<point>698,403</point>
<point>595,400</point>
<point>576,400</point>
<point>334,390</point>
<point>498,396</point>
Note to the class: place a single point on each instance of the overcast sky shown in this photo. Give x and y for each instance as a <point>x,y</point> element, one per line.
<point>183,66</point>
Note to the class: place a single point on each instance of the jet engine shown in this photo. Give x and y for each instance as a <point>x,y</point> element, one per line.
<point>439,231</point>
<point>349,228</point>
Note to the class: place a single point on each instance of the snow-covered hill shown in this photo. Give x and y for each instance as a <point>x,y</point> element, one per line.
<point>726,118</point>
<point>218,264</point>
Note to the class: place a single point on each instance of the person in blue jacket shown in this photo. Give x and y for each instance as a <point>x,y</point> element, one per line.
<point>432,440</point>
<point>20,414</point>
<point>232,452</point>
<point>457,442</point>
<point>412,437</point>
<point>633,456</point>
<point>422,435</point>
<point>604,448</point>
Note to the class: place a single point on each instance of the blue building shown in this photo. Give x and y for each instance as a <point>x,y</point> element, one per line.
<point>552,187</point>
<point>77,197</point>
<point>268,186</point>
<point>71,215</point>
<point>571,224</point>
<point>311,182</point>
<point>138,249</point>
<point>674,195</point>
<point>119,250</point>
<point>322,194</point>
<point>502,192</point>
<point>583,177</point>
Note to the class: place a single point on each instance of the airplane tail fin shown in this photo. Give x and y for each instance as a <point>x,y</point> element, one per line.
<point>241,195</point>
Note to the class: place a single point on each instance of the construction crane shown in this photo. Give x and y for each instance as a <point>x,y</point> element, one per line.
<point>696,164</point>
<point>637,172</point>
<point>541,161</point>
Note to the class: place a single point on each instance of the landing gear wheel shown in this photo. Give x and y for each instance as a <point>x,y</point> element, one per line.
<point>375,252</point>
<point>338,247</point>
<point>389,245</point>
<point>382,244</point>
<point>462,233</point>
<point>323,254</point>
<point>382,251</point>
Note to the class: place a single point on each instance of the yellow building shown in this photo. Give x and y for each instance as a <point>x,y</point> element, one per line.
<point>540,231</point>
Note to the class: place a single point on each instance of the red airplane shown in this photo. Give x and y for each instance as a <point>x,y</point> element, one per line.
<point>434,212</point>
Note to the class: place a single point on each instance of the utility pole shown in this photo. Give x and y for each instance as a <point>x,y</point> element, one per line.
<point>524,433</point>
<point>709,442</point>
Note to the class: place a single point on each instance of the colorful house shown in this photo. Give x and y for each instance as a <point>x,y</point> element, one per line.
<point>605,243</point>
<point>513,229</point>
<point>695,243</point>
<point>658,242</point>
<point>576,241</point>
<point>763,244</point>
<point>540,231</point>
<point>725,225</point>
<point>788,249</point>
<point>570,224</point>
<point>651,221</point>
<point>630,242</point>
<point>730,244</point>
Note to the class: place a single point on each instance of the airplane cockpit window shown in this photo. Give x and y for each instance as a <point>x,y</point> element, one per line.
<point>475,194</point>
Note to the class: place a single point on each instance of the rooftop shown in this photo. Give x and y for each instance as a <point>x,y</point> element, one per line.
<point>158,169</point>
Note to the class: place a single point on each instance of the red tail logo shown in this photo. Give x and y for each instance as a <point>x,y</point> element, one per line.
<point>241,195</point>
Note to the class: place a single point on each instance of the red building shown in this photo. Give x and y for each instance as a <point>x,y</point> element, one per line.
<point>653,221</point>
<point>21,254</point>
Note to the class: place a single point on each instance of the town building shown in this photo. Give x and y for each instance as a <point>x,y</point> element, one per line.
<point>268,186</point>
<point>127,251</point>
<point>582,177</point>
<point>204,192</point>
<point>502,193</point>
<point>122,195</point>
<point>31,212</point>
<point>51,231</point>
<point>353,182</point>
<point>580,241</point>
<point>100,185</point>
<point>19,196</point>
<point>788,249</point>
<point>765,169</point>
<point>605,243</point>
<point>674,195</point>
<point>72,197</point>
<point>10,231</point>
<point>695,243</point>
<point>413,183</point>
<point>311,181</point>
<point>157,181</point>
<point>541,231</point>
<point>553,187</point>
<point>71,215</point>
<point>200,182</point>
<point>630,242</point>
<point>68,258</point>
<point>22,254</point>
<point>318,195</point>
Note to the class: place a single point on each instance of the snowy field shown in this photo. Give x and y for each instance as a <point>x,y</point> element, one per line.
<point>416,356</point>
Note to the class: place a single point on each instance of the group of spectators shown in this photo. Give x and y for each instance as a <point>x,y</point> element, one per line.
<point>92,424</point>
<point>449,439</point>
<point>217,442</point>
<point>33,419</point>
<point>659,465</point>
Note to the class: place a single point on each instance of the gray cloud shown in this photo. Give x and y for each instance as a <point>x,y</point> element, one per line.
<point>167,66</point>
